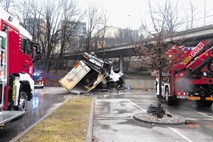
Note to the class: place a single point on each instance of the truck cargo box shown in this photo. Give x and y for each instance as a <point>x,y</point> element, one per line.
<point>75,75</point>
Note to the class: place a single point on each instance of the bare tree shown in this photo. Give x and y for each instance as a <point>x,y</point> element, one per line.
<point>70,24</point>
<point>53,25</point>
<point>164,23</point>
<point>52,17</point>
<point>43,22</point>
<point>23,12</point>
<point>94,20</point>
<point>31,18</point>
<point>6,4</point>
<point>100,34</point>
<point>204,13</point>
<point>170,14</point>
<point>104,24</point>
<point>193,12</point>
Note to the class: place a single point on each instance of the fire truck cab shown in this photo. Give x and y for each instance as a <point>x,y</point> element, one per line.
<point>17,54</point>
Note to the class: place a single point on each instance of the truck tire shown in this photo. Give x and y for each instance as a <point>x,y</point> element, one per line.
<point>168,98</point>
<point>22,101</point>
<point>201,104</point>
<point>208,104</point>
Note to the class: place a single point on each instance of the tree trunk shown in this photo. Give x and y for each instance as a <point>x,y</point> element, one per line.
<point>160,114</point>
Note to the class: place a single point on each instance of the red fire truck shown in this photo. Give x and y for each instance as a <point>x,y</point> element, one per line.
<point>189,74</point>
<point>17,54</point>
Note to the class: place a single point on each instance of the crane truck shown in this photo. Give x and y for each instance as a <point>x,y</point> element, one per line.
<point>189,74</point>
<point>17,55</point>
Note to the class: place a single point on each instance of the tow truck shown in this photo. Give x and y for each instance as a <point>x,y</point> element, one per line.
<point>17,54</point>
<point>189,74</point>
<point>91,72</point>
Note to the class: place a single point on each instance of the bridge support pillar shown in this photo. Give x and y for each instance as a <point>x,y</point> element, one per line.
<point>121,63</point>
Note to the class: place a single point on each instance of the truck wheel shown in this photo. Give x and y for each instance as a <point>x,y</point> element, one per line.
<point>169,100</point>
<point>208,104</point>
<point>204,104</point>
<point>22,102</point>
<point>199,104</point>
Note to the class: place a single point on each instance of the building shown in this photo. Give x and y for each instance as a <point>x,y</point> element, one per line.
<point>81,29</point>
<point>115,36</point>
<point>75,32</point>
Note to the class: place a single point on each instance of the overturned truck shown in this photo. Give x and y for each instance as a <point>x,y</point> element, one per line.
<point>91,72</point>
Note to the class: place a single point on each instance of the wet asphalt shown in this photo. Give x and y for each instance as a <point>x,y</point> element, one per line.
<point>43,102</point>
<point>113,120</point>
<point>113,117</point>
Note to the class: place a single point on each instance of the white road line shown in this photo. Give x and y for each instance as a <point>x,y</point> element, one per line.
<point>137,106</point>
<point>203,114</point>
<point>199,112</point>
<point>184,137</point>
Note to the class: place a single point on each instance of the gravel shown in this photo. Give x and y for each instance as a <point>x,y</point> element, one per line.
<point>167,119</point>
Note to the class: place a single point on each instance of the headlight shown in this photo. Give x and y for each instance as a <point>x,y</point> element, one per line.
<point>36,74</point>
<point>204,74</point>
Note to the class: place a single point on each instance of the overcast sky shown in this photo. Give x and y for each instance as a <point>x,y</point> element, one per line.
<point>130,13</point>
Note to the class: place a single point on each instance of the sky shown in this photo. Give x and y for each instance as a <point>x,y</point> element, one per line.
<point>131,13</point>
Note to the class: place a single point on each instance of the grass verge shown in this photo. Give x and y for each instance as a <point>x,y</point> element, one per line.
<point>69,123</point>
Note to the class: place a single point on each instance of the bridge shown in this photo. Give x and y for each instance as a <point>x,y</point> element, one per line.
<point>188,38</point>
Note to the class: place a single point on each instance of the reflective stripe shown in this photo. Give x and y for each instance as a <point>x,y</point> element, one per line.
<point>209,98</point>
<point>193,98</point>
<point>182,97</point>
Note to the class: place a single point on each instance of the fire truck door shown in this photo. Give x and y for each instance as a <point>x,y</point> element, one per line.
<point>3,69</point>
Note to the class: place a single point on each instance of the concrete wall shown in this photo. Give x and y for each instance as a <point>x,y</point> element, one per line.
<point>140,83</point>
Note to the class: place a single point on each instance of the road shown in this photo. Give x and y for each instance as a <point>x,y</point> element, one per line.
<point>113,120</point>
<point>113,117</point>
<point>43,102</point>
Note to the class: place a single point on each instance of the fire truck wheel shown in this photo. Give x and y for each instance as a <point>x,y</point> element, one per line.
<point>204,104</point>
<point>169,100</point>
<point>22,104</point>
<point>208,104</point>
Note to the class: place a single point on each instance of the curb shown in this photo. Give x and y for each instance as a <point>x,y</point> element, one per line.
<point>159,123</point>
<point>90,126</point>
<point>29,128</point>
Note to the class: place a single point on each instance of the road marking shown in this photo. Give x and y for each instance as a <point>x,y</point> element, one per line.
<point>199,112</point>
<point>137,106</point>
<point>197,119</point>
<point>184,137</point>
<point>203,114</point>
